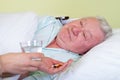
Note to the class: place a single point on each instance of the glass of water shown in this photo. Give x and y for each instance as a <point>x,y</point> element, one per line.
<point>31,46</point>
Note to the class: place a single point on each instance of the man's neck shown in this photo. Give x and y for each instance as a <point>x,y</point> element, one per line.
<point>53,44</point>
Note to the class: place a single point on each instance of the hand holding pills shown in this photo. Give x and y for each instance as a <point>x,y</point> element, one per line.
<point>52,66</point>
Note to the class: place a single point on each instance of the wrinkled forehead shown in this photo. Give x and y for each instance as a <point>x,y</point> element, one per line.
<point>84,18</point>
<point>88,20</point>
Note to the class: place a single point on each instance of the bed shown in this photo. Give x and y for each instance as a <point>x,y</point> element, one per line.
<point>100,63</point>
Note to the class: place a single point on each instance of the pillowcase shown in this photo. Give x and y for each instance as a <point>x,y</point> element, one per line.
<point>100,63</point>
<point>14,28</point>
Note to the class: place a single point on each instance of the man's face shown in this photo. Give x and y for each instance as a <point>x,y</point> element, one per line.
<point>80,35</point>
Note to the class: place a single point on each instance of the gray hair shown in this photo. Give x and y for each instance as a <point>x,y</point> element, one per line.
<point>105,26</point>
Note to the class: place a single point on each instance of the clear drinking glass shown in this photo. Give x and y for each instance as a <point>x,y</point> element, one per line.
<point>31,46</point>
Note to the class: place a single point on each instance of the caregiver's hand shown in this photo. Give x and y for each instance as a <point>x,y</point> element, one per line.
<point>49,65</point>
<point>18,63</point>
<point>52,66</point>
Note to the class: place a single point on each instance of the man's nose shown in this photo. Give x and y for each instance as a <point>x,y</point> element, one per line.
<point>76,31</point>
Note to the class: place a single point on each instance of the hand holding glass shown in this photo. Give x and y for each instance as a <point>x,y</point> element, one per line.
<point>31,46</point>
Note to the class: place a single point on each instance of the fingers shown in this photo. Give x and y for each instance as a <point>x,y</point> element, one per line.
<point>32,69</point>
<point>27,69</point>
<point>35,55</point>
<point>35,63</point>
<point>57,62</point>
<point>53,70</point>
<point>69,62</point>
<point>36,59</point>
<point>61,63</point>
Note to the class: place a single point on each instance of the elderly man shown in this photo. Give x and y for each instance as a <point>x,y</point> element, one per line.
<point>69,41</point>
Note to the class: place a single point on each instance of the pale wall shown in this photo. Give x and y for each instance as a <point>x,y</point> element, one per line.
<point>73,8</point>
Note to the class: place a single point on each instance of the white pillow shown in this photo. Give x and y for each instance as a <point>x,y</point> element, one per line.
<point>15,28</point>
<point>100,63</point>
